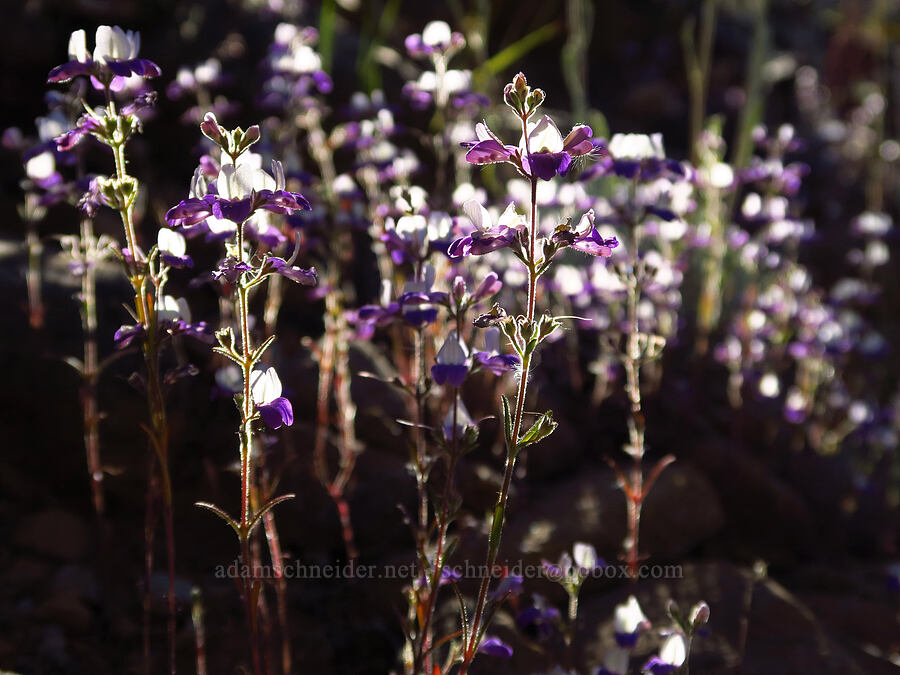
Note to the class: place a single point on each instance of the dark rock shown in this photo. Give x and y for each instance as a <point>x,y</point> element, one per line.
<point>66,609</point>
<point>55,533</point>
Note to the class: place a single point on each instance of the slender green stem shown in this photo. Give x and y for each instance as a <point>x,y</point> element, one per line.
<point>246,448</point>
<point>159,430</point>
<point>500,509</point>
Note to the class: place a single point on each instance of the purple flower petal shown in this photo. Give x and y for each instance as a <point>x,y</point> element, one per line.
<point>546,165</point>
<point>659,667</point>
<point>447,373</point>
<point>126,335</point>
<point>493,646</point>
<point>461,247</point>
<point>496,363</point>
<point>235,210</point>
<point>578,142</point>
<point>593,244</point>
<point>489,151</point>
<point>191,211</point>
<point>278,413</point>
<point>295,274</point>
<point>626,640</point>
<point>491,285</point>
<point>67,71</point>
<point>180,262</point>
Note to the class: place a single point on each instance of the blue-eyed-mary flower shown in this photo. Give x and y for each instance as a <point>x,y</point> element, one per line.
<point>572,570</point>
<point>296,274</point>
<point>115,58</point>
<point>173,316</point>
<point>411,238</point>
<point>586,238</point>
<point>494,646</point>
<point>275,409</point>
<point>241,189</point>
<point>491,359</point>
<point>543,154</point>
<point>173,248</point>
<point>487,235</point>
<point>628,621</point>
<point>463,420</point>
<point>672,656</point>
<point>418,303</point>
<point>640,156</point>
<point>452,362</point>
<point>437,39</point>
<point>547,154</point>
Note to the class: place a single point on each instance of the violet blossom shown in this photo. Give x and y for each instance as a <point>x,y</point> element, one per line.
<point>436,39</point>
<point>296,274</point>
<point>494,646</point>
<point>547,154</point>
<point>672,656</point>
<point>241,190</point>
<point>586,238</point>
<point>173,249</point>
<point>452,362</point>
<point>265,388</point>
<point>628,621</point>
<point>487,236</point>
<point>491,359</point>
<point>113,60</point>
<point>640,157</point>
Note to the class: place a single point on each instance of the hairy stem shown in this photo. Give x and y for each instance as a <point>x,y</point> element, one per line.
<point>159,428</point>
<point>511,452</point>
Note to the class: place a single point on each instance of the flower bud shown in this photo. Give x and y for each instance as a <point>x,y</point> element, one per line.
<point>699,615</point>
<point>459,289</point>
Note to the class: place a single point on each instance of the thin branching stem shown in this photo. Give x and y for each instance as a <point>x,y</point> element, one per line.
<point>500,509</point>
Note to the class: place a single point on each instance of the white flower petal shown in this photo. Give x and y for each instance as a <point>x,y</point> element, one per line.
<point>453,352</point>
<point>584,555</point>
<point>436,33</point>
<point>171,242</point>
<point>628,616</point>
<point>265,386</point>
<point>477,214</point>
<point>544,136</point>
<point>40,166</point>
<point>674,649</point>
<point>78,46</point>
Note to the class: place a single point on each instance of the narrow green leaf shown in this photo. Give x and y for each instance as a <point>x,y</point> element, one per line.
<point>517,50</point>
<point>327,23</point>
<point>497,527</point>
<point>224,516</point>
<point>268,506</point>
<point>259,351</point>
<point>75,363</point>
<point>544,426</point>
<point>507,423</point>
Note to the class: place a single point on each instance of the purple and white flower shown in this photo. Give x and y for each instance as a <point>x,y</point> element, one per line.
<point>488,236</point>
<point>494,646</point>
<point>491,359</point>
<point>672,656</point>
<point>546,154</point>
<point>628,621</point>
<point>437,39</point>
<point>173,248</point>
<point>114,59</point>
<point>241,190</point>
<point>275,409</point>
<point>452,362</point>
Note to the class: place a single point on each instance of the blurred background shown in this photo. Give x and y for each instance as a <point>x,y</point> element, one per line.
<point>806,516</point>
